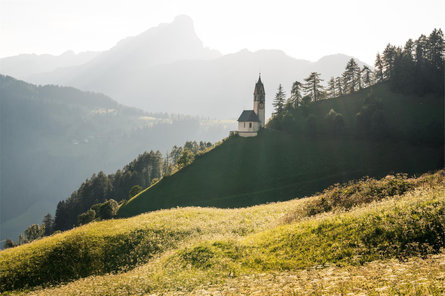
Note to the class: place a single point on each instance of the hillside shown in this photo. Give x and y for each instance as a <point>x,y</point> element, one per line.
<point>53,138</point>
<point>278,165</point>
<point>325,244</point>
<point>167,69</point>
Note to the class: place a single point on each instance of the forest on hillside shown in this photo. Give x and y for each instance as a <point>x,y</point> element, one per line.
<point>98,197</point>
<point>417,69</point>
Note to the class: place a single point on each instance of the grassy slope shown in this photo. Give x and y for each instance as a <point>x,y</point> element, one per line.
<point>277,166</point>
<point>277,247</point>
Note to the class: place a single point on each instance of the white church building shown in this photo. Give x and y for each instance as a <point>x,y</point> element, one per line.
<point>251,121</point>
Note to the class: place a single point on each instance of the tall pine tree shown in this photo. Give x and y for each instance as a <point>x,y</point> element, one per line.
<point>378,66</point>
<point>295,94</point>
<point>278,102</point>
<point>350,76</point>
<point>313,86</point>
<point>366,76</point>
<point>389,56</point>
<point>331,88</point>
<point>339,86</point>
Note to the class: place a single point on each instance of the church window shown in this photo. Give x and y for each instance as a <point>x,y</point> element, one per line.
<point>250,124</point>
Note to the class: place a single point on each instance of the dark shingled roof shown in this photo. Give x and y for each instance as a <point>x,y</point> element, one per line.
<point>248,115</point>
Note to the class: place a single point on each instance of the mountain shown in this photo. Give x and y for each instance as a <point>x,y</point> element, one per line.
<point>301,155</point>
<point>167,69</point>
<point>324,244</point>
<point>25,65</point>
<point>53,138</point>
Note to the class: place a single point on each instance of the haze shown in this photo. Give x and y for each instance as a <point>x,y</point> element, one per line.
<point>303,29</point>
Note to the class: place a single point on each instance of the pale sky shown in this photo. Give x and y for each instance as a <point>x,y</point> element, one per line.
<point>303,29</point>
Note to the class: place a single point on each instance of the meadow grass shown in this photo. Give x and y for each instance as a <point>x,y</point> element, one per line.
<point>275,247</point>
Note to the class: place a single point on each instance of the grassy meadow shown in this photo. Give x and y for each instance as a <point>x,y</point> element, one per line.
<point>368,237</point>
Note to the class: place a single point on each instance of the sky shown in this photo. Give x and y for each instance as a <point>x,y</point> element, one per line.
<point>303,29</point>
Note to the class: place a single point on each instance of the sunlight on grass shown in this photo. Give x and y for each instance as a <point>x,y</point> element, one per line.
<point>284,247</point>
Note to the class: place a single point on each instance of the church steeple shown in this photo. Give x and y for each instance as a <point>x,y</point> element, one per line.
<point>259,93</point>
<point>259,98</point>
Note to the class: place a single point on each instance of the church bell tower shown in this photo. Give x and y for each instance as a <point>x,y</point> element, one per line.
<point>259,97</point>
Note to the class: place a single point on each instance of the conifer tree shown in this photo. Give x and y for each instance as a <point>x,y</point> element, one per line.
<point>358,77</point>
<point>421,50</point>
<point>331,88</point>
<point>389,56</point>
<point>435,47</point>
<point>350,76</point>
<point>339,86</point>
<point>378,65</point>
<point>22,239</point>
<point>313,87</point>
<point>278,102</point>
<point>295,94</point>
<point>408,50</point>
<point>366,76</point>
<point>48,222</point>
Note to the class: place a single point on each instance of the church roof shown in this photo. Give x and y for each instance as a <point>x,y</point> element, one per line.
<point>248,115</point>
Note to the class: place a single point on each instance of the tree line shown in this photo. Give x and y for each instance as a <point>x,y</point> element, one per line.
<point>417,67</point>
<point>99,197</point>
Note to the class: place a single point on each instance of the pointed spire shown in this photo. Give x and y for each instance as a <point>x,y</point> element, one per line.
<point>259,90</point>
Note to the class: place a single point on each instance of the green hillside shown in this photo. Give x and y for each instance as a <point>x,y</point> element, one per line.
<point>279,165</point>
<point>370,228</point>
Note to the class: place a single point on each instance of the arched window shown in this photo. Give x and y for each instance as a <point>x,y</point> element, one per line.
<point>250,124</point>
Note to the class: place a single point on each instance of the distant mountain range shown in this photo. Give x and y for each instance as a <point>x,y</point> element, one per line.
<point>25,65</point>
<point>167,69</point>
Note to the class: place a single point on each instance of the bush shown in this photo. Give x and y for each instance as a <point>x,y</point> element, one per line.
<point>108,209</point>
<point>134,190</point>
<point>86,217</point>
<point>335,121</point>
<point>185,158</point>
<point>9,243</point>
<point>344,197</point>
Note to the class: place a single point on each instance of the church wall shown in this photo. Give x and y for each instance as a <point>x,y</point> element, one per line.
<point>260,112</point>
<point>262,116</point>
<point>250,126</point>
<point>247,134</point>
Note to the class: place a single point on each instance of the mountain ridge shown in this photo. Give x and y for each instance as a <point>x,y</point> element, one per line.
<point>167,69</point>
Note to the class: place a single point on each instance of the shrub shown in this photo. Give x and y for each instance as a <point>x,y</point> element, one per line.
<point>344,197</point>
<point>335,121</point>
<point>86,217</point>
<point>134,190</point>
<point>108,209</point>
<point>9,243</point>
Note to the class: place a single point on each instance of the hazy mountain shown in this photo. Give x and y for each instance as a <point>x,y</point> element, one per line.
<point>53,138</point>
<point>24,65</point>
<point>167,69</point>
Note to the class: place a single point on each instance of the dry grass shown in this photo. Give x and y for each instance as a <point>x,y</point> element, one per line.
<point>416,276</point>
<point>238,238</point>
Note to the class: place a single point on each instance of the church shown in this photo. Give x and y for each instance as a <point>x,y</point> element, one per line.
<point>251,121</point>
